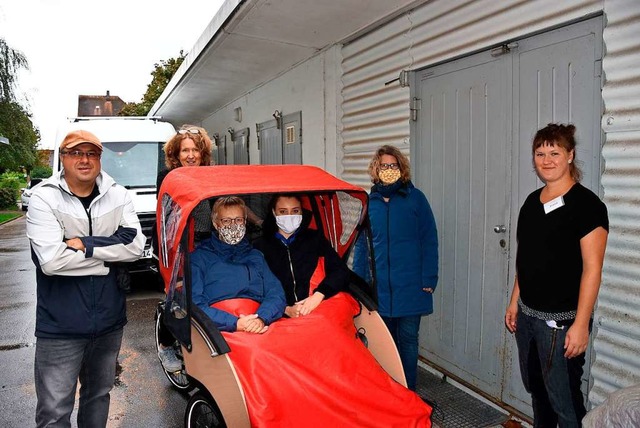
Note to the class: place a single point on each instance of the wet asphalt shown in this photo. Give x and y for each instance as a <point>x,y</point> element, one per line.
<point>142,396</point>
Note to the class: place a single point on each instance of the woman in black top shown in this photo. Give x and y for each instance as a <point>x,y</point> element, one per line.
<point>293,250</point>
<point>562,235</point>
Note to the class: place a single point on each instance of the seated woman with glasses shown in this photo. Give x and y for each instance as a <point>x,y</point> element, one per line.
<point>227,267</point>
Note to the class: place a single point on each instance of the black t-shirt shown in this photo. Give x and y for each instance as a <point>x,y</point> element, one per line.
<point>86,200</point>
<point>549,259</point>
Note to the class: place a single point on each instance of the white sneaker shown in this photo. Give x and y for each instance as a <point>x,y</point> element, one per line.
<point>169,361</point>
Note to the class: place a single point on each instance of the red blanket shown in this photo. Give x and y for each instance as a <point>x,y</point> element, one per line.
<point>312,371</point>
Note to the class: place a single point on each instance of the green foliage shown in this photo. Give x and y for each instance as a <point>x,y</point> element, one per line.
<point>4,217</point>
<point>12,180</point>
<point>11,61</point>
<point>8,198</point>
<point>162,74</point>
<point>16,125</point>
<point>41,171</point>
<point>15,120</point>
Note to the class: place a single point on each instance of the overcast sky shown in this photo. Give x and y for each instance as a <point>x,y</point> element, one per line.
<point>85,47</point>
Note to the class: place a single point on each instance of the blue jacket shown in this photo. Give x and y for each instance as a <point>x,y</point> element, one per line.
<point>221,271</point>
<point>405,244</point>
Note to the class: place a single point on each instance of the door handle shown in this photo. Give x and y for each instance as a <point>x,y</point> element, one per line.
<point>499,228</point>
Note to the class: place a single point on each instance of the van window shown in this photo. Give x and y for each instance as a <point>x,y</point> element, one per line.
<point>132,164</point>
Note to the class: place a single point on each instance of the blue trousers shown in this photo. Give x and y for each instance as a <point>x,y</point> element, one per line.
<point>59,363</point>
<point>404,331</point>
<point>552,380</point>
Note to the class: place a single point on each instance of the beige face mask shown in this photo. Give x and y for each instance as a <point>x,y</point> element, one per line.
<point>389,176</point>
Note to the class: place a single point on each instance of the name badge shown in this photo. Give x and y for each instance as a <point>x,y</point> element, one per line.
<point>553,204</point>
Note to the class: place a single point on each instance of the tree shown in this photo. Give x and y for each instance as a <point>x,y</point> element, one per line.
<point>162,74</point>
<point>11,61</point>
<point>15,120</point>
<point>16,125</point>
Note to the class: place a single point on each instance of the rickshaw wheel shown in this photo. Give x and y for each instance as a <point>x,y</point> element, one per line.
<point>178,379</point>
<point>202,413</point>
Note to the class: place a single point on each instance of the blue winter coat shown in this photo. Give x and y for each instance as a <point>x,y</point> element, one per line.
<point>405,244</point>
<point>221,271</point>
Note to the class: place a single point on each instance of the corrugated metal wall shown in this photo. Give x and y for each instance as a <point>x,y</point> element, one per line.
<point>374,113</point>
<point>617,317</point>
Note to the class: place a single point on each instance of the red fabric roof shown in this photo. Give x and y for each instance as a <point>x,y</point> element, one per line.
<point>188,185</point>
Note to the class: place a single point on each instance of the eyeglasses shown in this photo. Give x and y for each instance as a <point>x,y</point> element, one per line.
<point>190,131</point>
<point>385,166</point>
<point>79,154</point>
<point>228,221</point>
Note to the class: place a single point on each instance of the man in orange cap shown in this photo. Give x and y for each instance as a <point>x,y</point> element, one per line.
<point>79,223</point>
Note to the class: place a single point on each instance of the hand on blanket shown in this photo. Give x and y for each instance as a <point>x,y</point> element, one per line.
<point>251,324</point>
<point>304,306</point>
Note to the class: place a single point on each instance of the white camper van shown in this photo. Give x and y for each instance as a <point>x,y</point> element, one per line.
<point>132,155</point>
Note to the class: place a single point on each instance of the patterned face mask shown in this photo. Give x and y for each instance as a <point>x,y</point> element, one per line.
<point>232,234</point>
<point>389,176</point>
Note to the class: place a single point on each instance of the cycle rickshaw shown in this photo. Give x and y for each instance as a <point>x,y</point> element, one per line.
<point>210,373</point>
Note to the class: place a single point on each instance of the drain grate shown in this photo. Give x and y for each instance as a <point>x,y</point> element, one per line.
<point>454,408</point>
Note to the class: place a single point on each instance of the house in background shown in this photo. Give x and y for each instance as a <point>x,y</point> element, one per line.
<point>45,157</point>
<point>461,86</point>
<point>99,105</point>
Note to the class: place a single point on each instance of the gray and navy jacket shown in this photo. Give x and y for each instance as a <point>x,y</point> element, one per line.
<point>77,292</point>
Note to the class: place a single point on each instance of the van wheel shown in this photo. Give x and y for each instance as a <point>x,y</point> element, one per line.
<point>203,413</point>
<point>180,380</point>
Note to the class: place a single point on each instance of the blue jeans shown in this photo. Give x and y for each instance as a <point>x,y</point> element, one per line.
<point>404,331</point>
<point>60,363</point>
<point>552,380</point>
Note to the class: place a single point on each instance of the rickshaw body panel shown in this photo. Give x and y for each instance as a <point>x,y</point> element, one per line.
<point>380,343</point>
<point>218,376</point>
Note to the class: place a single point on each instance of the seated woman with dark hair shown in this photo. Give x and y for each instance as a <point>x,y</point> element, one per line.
<point>295,252</point>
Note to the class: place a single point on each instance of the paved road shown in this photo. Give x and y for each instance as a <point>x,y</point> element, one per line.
<point>142,396</point>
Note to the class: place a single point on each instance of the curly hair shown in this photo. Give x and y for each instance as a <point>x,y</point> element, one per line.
<point>557,134</point>
<point>403,163</point>
<point>200,138</point>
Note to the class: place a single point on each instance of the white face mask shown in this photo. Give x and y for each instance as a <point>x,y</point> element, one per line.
<point>232,234</point>
<point>289,223</point>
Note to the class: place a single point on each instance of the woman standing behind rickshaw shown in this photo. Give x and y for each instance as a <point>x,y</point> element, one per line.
<point>562,235</point>
<point>293,252</point>
<point>191,146</point>
<point>405,242</point>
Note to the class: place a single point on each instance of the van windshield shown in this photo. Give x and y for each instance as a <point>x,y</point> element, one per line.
<point>132,164</point>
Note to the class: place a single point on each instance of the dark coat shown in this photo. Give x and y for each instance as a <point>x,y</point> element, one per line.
<point>405,243</point>
<point>221,271</point>
<point>294,264</point>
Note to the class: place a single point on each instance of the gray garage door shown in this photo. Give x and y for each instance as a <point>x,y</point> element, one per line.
<point>471,155</point>
<point>281,141</point>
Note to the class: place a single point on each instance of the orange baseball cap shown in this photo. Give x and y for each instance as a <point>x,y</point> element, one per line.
<point>78,137</point>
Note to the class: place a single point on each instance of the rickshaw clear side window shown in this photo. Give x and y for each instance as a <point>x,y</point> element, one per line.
<point>350,209</point>
<point>171,215</point>
<point>360,260</point>
<point>176,295</point>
